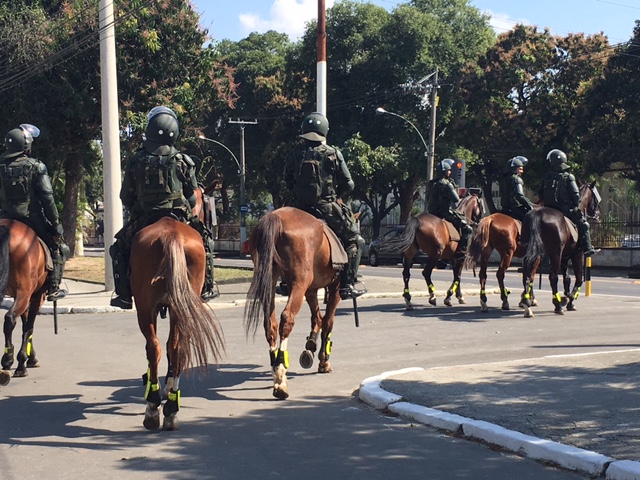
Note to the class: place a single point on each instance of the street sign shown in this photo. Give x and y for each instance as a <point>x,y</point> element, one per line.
<point>244,208</point>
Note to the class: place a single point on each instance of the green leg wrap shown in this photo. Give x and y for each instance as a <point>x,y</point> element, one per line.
<point>152,394</point>
<point>172,404</point>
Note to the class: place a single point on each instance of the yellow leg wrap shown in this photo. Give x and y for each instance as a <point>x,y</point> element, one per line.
<point>406,290</point>
<point>506,292</point>
<point>557,297</point>
<point>432,287</point>
<point>174,397</point>
<point>455,286</point>
<point>327,348</point>
<point>29,346</point>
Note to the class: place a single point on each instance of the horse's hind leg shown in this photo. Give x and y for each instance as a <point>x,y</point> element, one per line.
<point>26,352</point>
<point>578,274</point>
<point>426,273</point>
<point>9,324</point>
<point>306,357</point>
<point>505,261</point>
<point>327,328</point>
<point>406,276</point>
<point>482,276</point>
<point>558,301</point>
<point>152,393</point>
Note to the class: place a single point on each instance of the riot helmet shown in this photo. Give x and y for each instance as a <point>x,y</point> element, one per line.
<point>444,166</point>
<point>516,162</point>
<point>162,128</point>
<point>557,160</point>
<point>19,140</point>
<point>315,127</point>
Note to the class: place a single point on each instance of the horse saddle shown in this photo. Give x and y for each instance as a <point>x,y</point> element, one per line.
<point>338,254</point>
<point>573,230</point>
<point>453,231</point>
<point>48,261</point>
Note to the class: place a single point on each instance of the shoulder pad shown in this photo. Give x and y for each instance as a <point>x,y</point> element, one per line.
<point>40,167</point>
<point>570,177</point>
<point>187,159</point>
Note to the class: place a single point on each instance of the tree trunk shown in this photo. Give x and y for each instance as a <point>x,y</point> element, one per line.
<point>73,183</point>
<point>407,197</point>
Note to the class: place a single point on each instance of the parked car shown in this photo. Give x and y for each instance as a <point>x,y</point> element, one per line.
<point>376,257</point>
<point>631,241</point>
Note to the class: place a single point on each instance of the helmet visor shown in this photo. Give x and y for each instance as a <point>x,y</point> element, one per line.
<point>162,109</point>
<point>30,129</point>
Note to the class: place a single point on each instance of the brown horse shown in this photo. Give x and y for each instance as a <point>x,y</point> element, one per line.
<point>431,235</point>
<point>167,274</point>
<point>291,243</point>
<point>545,231</point>
<point>500,232</point>
<point>23,276</point>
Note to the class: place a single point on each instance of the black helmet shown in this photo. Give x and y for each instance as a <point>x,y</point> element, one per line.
<point>516,162</point>
<point>315,127</point>
<point>557,159</point>
<point>444,166</point>
<point>162,128</point>
<point>19,140</point>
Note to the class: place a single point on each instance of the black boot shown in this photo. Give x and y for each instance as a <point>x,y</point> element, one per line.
<point>55,292</point>
<point>123,298</point>
<point>349,285</point>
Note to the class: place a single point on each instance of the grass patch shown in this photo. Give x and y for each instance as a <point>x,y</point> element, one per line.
<point>91,269</point>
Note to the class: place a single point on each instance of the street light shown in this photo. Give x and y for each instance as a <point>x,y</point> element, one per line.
<point>241,171</point>
<point>382,111</point>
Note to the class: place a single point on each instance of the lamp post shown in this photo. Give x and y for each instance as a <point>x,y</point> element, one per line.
<point>382,111</point>
<point>241,171</point>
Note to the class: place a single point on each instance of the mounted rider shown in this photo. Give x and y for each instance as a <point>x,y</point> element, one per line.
<point>442,198</point>
<point>319,178</point>
<point>158,181</point>
<point>560,191</point>
<point>26,195</point>
<point>512,199</point>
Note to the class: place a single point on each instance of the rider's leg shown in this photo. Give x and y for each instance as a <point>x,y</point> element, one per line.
<point>209,289</point>
<point>585,236</point>
<point>59,254</point>
<point>119,252</point>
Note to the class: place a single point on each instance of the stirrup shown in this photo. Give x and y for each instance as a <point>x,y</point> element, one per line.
<point>591,251</point>
<point>353,290</point>
<point>210,294</point>
<point>57,295</point>
<point>121,302</point>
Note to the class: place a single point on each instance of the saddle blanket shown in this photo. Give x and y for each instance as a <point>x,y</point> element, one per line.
<point>338,254</point>
<point>48,261</point>
<point>453,232</point>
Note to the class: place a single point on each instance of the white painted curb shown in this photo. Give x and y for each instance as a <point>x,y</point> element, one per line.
<point>566,456</point>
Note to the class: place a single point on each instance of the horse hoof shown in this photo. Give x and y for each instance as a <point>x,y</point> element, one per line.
<point>484,308</point>
<point>171,423</point>
<point>151,422</point>
<point>33,363</point>
<point>408,307</point>
<point>461,301</point>
<point>558,311</point>
<point>311,345</point>
<point>505,306</point>
<point>528,313</point>
<point>306,359</point>
<point>564,301</point>
<point>326,368</point>
<point>5,377</point>
<point>20,373</point>
<point>534,303</point>
<point>447,302</point>
<point>571,307</point>
<point>280,394</point>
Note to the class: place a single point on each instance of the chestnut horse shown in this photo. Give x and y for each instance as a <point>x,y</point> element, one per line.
<point>545,231</point>
<point>291,243</point>
<point>500,232</point>
<point>430,234</point>
<point>167,274</point>
<point>23,276</point>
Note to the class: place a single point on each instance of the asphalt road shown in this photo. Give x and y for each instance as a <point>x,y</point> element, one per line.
<point>80,414</point>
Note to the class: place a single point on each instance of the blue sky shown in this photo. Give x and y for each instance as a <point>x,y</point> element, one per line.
<point>235,19</point>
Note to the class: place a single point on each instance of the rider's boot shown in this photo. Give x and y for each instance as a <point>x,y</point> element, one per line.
<point>349,285</point>
<point>463,245</point>
<point>585,235</point>
<point>55,277</point>
<point>123,298</point>
<point>209,290</point>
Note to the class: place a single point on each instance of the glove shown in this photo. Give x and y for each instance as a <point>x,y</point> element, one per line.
<point>59,231</point>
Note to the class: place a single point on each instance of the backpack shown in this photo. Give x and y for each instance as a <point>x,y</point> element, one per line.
<point>311,180</point>
<point>15,182</point>
<point>157,180</point>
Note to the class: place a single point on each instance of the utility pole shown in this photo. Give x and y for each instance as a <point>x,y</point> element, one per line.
<point>321,68</point>
<point>243,201</point>
<point>110,135</point>
<point>432,127</point>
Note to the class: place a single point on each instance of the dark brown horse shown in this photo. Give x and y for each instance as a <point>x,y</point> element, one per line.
<point>500,232</point>
<point>431,235</point>
<point>291,243</point>
<point>545,231</point>
<point>167,274</point>
<point>23,276</point>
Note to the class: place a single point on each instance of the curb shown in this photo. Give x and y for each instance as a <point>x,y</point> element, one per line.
<point>565,456</point>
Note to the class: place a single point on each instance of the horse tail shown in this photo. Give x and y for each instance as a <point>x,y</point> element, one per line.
<point>479,242</point>
<point>402,242</point>
<point>260,295</point>
<point>4,260</point>
<point>197,330</point>
<point>532,238</point>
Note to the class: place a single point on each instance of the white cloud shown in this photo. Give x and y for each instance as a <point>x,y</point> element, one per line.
<point>502,22</point>
<point>286,16</point>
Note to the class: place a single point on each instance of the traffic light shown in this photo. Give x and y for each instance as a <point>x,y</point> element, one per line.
<point>457,172</point>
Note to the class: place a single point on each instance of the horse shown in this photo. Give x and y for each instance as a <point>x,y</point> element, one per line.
<point>430,234</point>
<point>167,273</point>
<point>500,232</point>
<point>545,231</point>
<point>291,243</point>
<point>23,276</point>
